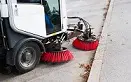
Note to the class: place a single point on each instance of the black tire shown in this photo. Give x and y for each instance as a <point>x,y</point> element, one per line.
<point>27,57</point>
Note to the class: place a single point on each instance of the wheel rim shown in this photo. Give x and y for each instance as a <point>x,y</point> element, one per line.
<point>27,57</point>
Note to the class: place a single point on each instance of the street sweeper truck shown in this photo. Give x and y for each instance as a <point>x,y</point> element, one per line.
<point>33,30</point>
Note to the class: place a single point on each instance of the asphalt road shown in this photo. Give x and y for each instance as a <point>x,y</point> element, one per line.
<point>92,11</point>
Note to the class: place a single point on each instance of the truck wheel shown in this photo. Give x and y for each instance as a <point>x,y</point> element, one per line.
<point>27,57</point>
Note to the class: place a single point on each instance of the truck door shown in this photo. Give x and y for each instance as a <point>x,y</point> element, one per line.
<point>27,17</point>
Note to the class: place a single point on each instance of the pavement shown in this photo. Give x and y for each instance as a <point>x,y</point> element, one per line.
<point>113,56</point>
<point>90,10</point>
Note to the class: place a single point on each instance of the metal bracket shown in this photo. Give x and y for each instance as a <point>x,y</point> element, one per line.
<point>3,35</point>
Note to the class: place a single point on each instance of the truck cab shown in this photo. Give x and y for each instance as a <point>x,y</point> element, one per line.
<point>25,26</point>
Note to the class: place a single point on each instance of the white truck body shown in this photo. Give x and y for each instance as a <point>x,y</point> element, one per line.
<point>29,18</point>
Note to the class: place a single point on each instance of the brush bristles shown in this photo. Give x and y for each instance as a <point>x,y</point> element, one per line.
<point>84,45</point>
<point>57,57</point>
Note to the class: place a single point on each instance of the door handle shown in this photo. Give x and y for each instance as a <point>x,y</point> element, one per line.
<point>16,10</point>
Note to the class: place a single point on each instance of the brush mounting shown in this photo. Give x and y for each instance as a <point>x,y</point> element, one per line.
<point>87,34</point>
<point>55,43</point>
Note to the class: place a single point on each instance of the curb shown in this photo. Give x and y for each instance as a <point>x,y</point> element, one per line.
<point>98,59</point>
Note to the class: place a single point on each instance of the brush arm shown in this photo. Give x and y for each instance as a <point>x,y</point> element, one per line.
<point>75,30</point>
<point>87,25</point>
<point>87,33</point>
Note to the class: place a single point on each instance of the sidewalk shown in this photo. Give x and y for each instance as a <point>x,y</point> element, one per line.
<point>113,57</point>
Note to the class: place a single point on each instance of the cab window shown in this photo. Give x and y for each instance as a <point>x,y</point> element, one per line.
<point>52,15</point>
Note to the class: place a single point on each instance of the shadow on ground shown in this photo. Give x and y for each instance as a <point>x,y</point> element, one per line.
<point>7,72</point>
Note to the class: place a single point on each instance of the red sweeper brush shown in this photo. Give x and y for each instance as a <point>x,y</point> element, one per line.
<point>86,41</point>
<point>55,53</point>
<point>85,45</point>
<point>57,56</point>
